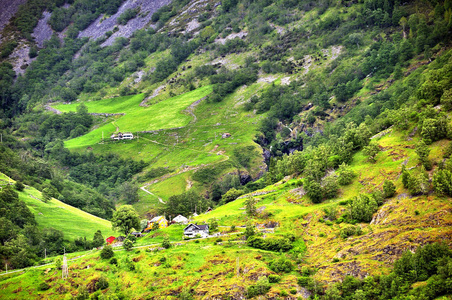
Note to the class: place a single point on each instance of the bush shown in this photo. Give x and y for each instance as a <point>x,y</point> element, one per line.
<point>44,286</point>
<point>350,230</point>
<point>272,278</point>
<point>281,265</point>
<point>272,244</point>
<point>261,287</point>
<point>128,244</point>
<point>19,186</point>
<point>102,284</point>
<point>166,242</point>
<point>114,261</point>
<point>389,189</point>
<point>107,252</point>
<point>345,174</point>
<point>362,208</point>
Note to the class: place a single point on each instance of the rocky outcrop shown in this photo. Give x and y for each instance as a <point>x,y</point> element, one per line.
<point>8,9</point>
<point>100,26</point>
<point>43,31</point>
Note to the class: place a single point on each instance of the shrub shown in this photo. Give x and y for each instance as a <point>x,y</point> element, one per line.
<point>102,284</point>
<point>114,261</point>
<point>107,252</point>
<point>166,242</point>
<point>283,293</point>
<point>281,265</point>
<point>345,174</point>
<point>389,189</point>
<point>272,278</point>
<point>350,230</point>
<point>261,287</point>
<point>19,186</point>
<point>362,208</point>
<point>44,286</point>
<point>293,291</point>
<point>128,244</point>
<point>272,244</point>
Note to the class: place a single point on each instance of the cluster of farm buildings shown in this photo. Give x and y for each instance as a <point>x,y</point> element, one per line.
<point>190,231</point>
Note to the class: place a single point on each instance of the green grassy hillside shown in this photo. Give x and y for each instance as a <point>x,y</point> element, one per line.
<point>74,223</point>
<point>162,115</point>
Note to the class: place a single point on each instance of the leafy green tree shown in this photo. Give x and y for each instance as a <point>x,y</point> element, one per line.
<point>371,151</point>
<point>345,174</point>
<point>231,195</point>
<point>314,191</point>
<point>423,151</point>
<point>213,225</point>
<point>107,252</point>
<point>250,206</point>
<point>98,239</point>
<point>362,208</point>
<point>389,189</point>
<point>250,230</point>
<point>58,263</point>
<point>19,186</point>
<point>127,244</point>
<point>124,219</point>
<point>330,187</point>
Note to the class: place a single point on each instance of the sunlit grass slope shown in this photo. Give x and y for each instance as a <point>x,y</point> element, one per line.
<point>162,115</point>
<point>72,221</point>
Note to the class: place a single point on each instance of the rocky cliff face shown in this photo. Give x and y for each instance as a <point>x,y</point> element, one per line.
<point>99,27</point>
<point>8,9</point>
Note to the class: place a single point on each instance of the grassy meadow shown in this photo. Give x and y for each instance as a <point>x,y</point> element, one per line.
<point>73,222</point>
<point>162,115</point>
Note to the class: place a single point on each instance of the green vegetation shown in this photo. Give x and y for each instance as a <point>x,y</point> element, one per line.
<point>137,118</point>
<point>349,103</point>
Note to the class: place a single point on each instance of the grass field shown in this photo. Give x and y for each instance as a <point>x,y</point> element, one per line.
<point>162,115</point>
<point>73,222</point>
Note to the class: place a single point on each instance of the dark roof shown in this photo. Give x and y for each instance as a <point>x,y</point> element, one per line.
<point>198,227</point>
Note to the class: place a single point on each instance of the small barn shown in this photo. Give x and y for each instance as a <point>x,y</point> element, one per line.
<point>110,240</point>
<point>194,229</point>
<point>180,219</point>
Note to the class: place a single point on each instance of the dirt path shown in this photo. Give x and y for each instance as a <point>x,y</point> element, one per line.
<point>184,170</point>
<point>144,189</point>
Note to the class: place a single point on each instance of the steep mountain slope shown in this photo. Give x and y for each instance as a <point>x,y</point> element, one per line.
<point>325,124</point>
<point>74,223</point>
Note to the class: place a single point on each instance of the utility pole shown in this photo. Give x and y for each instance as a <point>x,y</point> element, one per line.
<point>65,271</point>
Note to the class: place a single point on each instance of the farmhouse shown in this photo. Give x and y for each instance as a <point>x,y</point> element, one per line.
<point>180,220</point>
<point>160,220</point>
<point>122,136</point>
<point>193,229</point>
<point>110,240</point>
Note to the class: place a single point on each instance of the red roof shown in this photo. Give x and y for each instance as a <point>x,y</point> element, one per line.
<point>110,239</point>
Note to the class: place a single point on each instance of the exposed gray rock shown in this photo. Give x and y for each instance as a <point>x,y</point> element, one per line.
<point>43,31</point>
<point>8,9</point>
<point>98,28</point>
<point>20,59</point>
